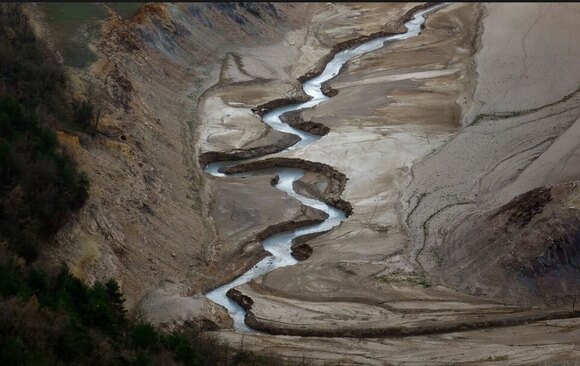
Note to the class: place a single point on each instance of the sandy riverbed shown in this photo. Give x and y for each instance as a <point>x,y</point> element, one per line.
<point>394,108</point>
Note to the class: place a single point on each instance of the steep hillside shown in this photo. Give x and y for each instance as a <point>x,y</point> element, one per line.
<point>145,223</point>
<point>455,154</point>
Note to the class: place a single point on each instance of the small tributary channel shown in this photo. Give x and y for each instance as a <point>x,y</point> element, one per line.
<point>278,245</point>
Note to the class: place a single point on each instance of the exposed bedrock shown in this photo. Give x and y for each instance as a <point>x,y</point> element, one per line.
<point>262,109</point>
<point>300,249</point>
<point>167,309</point>
<point>234,130</point>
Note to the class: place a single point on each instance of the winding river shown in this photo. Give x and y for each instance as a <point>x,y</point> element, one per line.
<point>279,244</point>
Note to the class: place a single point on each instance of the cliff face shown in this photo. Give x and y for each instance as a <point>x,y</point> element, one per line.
<point>145,223</point>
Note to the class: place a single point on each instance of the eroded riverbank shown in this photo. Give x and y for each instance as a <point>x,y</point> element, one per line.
<point>392,108</point>
<point>279,245</point>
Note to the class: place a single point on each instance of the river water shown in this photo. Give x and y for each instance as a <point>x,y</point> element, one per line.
<point>278,245</point>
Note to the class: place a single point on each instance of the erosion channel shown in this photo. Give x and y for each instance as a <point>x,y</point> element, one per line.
<point>279,245</point>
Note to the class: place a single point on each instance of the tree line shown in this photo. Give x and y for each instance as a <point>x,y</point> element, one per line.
<point>55,318</point>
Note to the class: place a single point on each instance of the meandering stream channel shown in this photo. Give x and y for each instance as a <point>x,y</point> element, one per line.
<point>279,244</point>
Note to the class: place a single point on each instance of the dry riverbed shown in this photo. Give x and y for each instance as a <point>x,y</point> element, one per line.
<point>398,132</point>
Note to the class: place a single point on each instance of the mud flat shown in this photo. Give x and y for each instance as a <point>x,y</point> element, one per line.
<point>515,140</point>
<point>242,221</point>
<point>398,131</point>
<point>146,222</point>
<point>542,342</point>
<point>252,77</point>
<point>279,245</point>
<point>470,126</point>
<point>393,106</point>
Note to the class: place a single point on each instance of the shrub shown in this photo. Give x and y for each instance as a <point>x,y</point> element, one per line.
<point>39,186</point>
<point>83,113</point>
<point>145,336</point>
<point>57,319</point>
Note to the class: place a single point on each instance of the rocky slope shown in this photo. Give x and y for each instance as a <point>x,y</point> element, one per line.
<point>146,223</point>
<point>456,151</point>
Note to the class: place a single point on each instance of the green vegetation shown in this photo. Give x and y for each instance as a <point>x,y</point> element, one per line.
<point>126,10</point>
<point>73,26</point>
<point>27,70</point>
<point>55,318</point>
<point>39,185</point>
<point>59,320</point>
<point>31,74</point>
